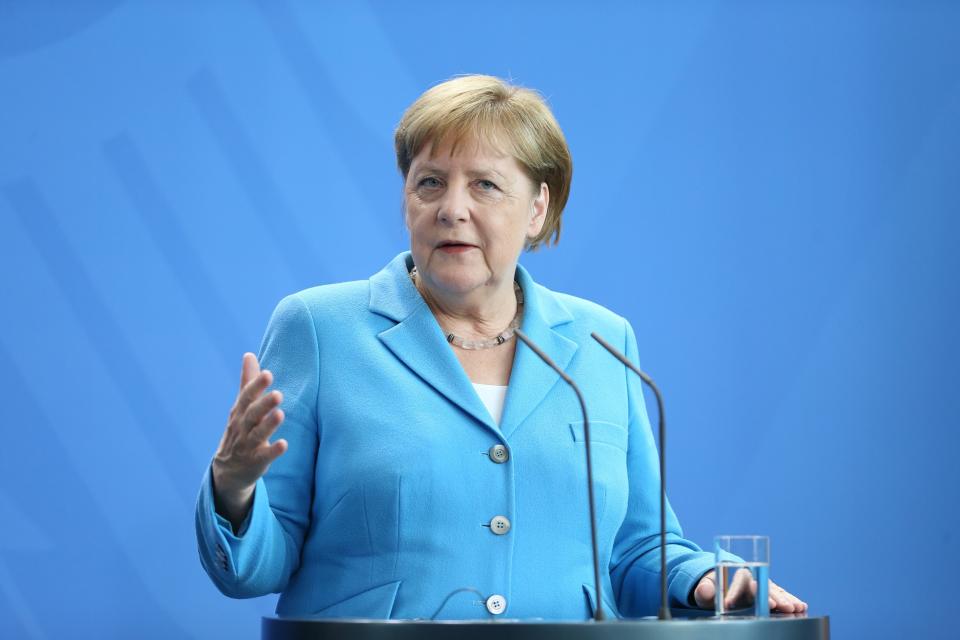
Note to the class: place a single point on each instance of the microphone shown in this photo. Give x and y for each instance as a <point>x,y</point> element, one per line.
<point>598,611</point>
<point>664,609</point>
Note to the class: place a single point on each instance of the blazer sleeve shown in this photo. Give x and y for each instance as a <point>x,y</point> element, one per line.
<point>635,562</point>
<point>264,552</point>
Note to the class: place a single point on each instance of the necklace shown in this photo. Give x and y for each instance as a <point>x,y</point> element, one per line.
<point>487,343</point>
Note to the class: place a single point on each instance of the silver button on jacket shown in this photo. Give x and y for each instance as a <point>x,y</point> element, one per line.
<point>499,525</point>
<point>498,453</point>
<point>496,604</point>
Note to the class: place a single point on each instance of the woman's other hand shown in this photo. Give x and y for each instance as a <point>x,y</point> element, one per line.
<point>743,591</point>
<point>245,453</point>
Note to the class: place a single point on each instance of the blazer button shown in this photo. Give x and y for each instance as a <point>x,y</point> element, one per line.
<point>496,604</point>
<point>499,525</point>
<point>498,453</point>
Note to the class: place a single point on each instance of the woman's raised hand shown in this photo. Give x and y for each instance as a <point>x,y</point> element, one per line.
<point>245,453</point>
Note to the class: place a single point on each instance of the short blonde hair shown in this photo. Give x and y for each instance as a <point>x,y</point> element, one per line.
<point>499,113</point>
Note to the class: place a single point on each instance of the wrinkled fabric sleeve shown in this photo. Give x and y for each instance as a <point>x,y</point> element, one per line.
<point>635,562</point>
<point>264,552</point>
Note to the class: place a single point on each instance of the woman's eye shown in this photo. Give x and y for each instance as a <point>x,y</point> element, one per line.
<point>486,185</point>
<point>429,182</point>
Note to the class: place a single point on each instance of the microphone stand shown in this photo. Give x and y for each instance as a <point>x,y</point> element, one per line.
<point>664,609</point>
<point>598,610</point>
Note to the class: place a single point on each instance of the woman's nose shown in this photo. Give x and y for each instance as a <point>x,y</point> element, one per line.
<point>454,206</point>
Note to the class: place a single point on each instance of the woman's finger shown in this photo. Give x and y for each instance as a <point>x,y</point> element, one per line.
<point>248,369</point>
<point>251,392</point>
<point>779,599</point>
<point>740,590</point>
<point>795,604</point>
<point>270,452</point>
<point>261,407</point>
<point>784,601</point>
<point>706,590</point>
<point>772,600</point>
<point>265,428</point>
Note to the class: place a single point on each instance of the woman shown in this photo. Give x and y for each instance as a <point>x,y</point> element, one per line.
<point>425,465</point>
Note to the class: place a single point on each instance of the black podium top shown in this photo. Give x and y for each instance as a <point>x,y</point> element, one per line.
<point>777,627</point>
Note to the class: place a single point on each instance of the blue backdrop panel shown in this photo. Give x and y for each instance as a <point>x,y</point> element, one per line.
<point>767,190</point>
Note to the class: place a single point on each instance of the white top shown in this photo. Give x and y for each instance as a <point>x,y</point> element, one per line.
<point>493,396</point>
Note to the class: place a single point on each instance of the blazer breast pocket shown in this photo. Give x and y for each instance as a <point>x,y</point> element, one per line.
<point>601,432</point>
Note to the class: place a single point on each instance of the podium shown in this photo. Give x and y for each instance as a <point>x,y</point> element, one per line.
<point>776,627</point>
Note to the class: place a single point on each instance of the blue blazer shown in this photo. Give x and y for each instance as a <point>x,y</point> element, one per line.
<point>385,502</point>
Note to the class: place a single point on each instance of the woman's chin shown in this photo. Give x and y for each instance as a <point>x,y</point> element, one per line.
<point>458,282</point>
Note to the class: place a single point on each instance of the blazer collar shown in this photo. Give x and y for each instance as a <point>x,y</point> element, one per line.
<point>418,341</point>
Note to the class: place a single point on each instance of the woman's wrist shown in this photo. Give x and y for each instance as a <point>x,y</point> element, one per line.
<point>230,501</point>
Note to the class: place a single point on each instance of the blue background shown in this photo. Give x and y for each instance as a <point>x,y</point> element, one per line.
<point>768,191</point>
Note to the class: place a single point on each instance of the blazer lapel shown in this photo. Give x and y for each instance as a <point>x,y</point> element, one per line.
<point>531,379</point>
<point>418,341</point>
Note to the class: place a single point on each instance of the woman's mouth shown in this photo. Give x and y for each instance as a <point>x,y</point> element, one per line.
<point>456,247</point>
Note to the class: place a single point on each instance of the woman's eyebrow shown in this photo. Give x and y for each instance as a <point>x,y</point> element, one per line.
<point>480,173</point>
<point>473,173</point>
<point>435,170</point>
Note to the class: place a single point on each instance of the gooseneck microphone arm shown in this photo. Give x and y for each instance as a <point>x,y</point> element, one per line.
<point>598,610</point>
<point>664,609</point>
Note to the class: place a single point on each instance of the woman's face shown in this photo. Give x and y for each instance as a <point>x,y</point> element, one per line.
<point>469,215</point>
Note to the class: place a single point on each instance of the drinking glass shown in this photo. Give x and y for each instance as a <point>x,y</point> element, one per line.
<point>743,575</point>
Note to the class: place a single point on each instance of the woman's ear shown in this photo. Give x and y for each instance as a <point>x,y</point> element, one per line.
<point>538,211</point>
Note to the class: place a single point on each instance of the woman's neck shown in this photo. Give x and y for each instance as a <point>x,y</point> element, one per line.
<point>482,314</point>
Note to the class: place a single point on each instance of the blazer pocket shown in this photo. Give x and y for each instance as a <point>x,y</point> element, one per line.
<point>601,432</point>
<point>376,603</point>
<point>591,597</point>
